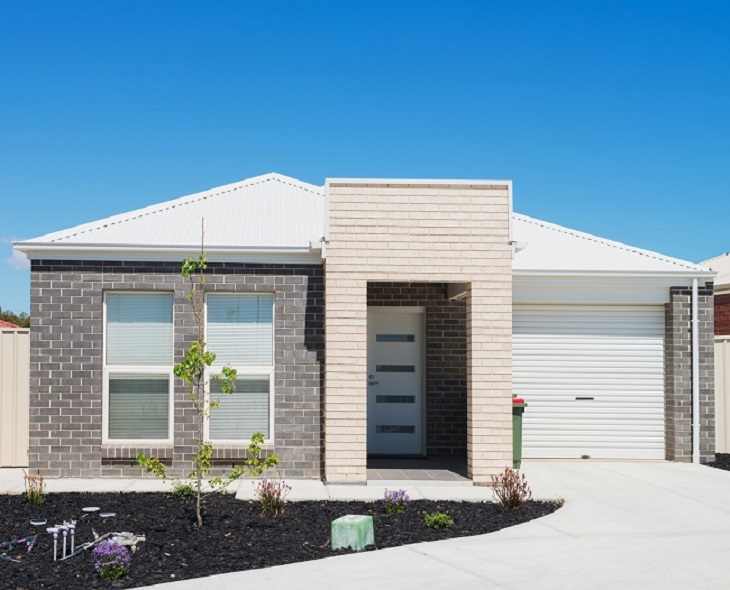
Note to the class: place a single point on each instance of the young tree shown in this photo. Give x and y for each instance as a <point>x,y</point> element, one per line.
<point>192,371</point>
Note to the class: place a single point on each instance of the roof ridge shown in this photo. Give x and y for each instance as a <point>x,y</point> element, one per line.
<point>714,258</point>
<point>187,200</point>
<point>612,243</point>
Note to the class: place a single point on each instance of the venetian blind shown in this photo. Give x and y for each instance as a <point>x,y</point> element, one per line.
<point>241,413</point>
<point>240,329</point>
<point>139,406</point>
<point>138,329</point>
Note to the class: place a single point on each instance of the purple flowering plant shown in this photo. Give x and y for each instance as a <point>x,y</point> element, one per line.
<point>111,560</point>
<point>395,501</point>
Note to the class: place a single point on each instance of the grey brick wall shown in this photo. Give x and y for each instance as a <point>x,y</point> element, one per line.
<point>66,363</point>
<point>445,359</point>
<point>678,374</point>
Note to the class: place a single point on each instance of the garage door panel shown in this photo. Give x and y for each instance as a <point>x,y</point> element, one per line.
<point>617,414</point>
<point>613,354</point>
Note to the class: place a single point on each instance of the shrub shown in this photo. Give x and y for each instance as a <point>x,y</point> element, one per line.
<point>271,494</point>
<point>438,520</point>
<point>35,489</point>
<point>510,489</point>
<point>111,560</point>
<point>183,490</point>
<point>395,501</point>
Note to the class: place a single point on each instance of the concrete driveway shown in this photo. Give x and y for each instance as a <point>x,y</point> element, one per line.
<point>624,525</point>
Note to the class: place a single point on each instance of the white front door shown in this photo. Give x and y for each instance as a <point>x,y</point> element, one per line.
<point>395,381</point>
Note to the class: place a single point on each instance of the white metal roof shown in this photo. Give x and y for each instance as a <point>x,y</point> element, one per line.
<point>552,248</point>
<point>721,265</point>
<point>274,213</point>
<point>265,212</point>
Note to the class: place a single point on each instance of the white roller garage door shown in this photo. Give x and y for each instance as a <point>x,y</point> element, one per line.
<point>593,378</point>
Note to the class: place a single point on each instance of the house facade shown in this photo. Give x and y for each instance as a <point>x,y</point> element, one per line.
<point>365,318</point>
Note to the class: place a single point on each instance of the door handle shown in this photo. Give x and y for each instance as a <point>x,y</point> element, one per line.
<point>584,398</point>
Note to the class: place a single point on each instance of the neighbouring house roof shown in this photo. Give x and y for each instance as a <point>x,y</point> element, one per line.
<point>281,214</point>
<point>721,265</point>
<point>548,247</point>
<point>4,324</point>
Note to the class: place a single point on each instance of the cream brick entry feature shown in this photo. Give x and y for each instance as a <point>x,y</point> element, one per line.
<point>410,231</point>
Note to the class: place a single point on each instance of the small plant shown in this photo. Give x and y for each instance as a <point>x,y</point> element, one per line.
<point>395,501</point>
<point>183,490</point>
<point>511,490</point>
<point>111,560</point>
<point>271,494</point>
<point>35,489</point>
<point>438,520</point>
<point>559,502</point>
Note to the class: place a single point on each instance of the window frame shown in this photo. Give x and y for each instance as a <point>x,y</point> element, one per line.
<point>243,372</point>
<point>108,370</point>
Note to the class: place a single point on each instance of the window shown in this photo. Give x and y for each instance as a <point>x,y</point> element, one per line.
<point>240,331</point>
<point>138,359</point>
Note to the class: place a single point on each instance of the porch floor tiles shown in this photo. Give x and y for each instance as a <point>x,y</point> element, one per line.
<point>439,468</point>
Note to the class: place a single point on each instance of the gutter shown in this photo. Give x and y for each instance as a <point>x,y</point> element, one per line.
<point>30,247</point>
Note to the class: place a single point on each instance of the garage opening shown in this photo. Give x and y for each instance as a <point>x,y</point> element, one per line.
<point>593,377</point>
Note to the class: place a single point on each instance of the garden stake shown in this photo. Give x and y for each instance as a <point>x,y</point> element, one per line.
<point>64,529</point>
<point>72,526</point>
<point>54,530</point>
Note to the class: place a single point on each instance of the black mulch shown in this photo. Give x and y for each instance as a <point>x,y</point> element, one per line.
<point>234,536</point>
<point>722,461</point>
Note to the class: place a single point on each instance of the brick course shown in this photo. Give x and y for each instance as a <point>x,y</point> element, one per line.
<point>66,363</point>
<point>722,315</point>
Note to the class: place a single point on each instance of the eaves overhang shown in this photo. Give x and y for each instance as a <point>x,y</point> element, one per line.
<point>120,252</point>
<point>684,273</point>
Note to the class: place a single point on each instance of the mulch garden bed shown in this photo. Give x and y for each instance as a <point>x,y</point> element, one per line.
<point>234,536</point>
<point>722,461</point>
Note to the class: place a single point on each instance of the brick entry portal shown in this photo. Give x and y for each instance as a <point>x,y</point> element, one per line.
<point>419,232</point>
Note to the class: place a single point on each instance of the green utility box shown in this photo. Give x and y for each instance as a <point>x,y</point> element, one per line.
<point>518,408</point>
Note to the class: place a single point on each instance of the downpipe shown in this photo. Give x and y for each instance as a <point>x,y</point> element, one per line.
<point>695,376</point>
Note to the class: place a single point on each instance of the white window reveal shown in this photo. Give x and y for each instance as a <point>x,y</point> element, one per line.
<point>240,331</point>
<point>138,360</point>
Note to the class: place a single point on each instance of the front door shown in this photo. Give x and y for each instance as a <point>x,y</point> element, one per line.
<point>395,381</point>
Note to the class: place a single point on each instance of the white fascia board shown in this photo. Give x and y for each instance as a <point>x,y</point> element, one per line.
<point>55,251</point>
<point>421,182</point>
<point>683,274</point>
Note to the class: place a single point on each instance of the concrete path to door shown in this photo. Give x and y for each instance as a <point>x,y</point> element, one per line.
<point>624,526</point>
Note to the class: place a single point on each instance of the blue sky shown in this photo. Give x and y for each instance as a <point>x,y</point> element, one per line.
<point>612,117</point>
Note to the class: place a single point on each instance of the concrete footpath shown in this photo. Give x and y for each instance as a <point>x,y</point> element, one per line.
<point>11,482</point>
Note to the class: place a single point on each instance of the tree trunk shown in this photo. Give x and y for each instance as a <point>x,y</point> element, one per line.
<point>198,467</point>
